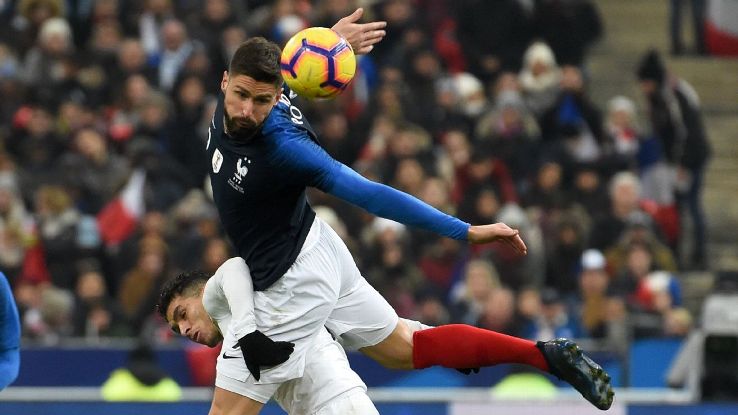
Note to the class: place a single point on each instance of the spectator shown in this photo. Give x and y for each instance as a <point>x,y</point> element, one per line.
<point>640,230</point>
<point>648,290</point>
<point>593,287</point>
<point>539,78</point>
<point>47,64</point>
<point>141,380</point>
<point>622,138</point>
<point>572,128</point>
<point>569,26</point>
<point>468,296</point>
<point>187,139</point>
<point>96,315</point>
<point>132,60</point>
<point>431,310</point>
<point>554,321</point>
<point>16,227</point>
<point>498,313</point>
<point>512,131</point>
<point>624,193</point>
<point>176,49</point>
<point>31,15</point>
<point>208,27</point>
<point>35,147</point>
<point>494,35</point>
<point>216,252</point>
<point>587,189</point>
<point>564,255</point>
<point>61,229</point>
<point>676,120</point>
<point>140,286</point>
<point>698,26</point>
<point>92,170</point>
<point>45,312</point>
<point>150,22</point>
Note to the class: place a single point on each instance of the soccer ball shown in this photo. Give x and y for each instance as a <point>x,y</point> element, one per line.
<point>318,63</point>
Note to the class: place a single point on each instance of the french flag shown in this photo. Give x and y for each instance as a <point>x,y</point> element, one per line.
<point>721,28</point>
<point>118,219</point>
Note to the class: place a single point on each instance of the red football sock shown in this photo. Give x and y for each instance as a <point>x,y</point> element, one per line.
<point>459,346</point>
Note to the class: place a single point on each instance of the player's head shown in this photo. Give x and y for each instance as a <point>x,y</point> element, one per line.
<point>180,303</point>
<point>252,86</point>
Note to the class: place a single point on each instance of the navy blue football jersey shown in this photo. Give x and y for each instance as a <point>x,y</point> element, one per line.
<point>259,187</point>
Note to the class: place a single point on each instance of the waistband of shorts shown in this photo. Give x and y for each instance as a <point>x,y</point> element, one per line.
<point>313,235</point>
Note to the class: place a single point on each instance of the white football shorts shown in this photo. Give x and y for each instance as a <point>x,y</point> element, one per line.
<point>323,288</point>
<point>328,385</point>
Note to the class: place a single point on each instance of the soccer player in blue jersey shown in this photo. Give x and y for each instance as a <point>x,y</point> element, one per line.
<point>9,335</point>
<point>263,156</point>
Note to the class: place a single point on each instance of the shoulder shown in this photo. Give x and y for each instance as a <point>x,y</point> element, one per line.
<point>232,265</point>
<point>287,121</point>
<point>689,93</point>
<point>215,128</point>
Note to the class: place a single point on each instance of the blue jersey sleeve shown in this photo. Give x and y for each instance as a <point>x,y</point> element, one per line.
<point>391,203</point>
<point>303,161</point>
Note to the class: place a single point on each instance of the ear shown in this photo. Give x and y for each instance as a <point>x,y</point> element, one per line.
<point>224,82</point>
<point>278,96</point>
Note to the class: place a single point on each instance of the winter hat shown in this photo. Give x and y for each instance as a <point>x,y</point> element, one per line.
<point>651,67</point>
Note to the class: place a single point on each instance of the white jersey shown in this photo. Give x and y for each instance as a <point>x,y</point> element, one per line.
<point>329,385</point>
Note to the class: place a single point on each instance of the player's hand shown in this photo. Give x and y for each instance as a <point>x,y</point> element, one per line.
<point>260,351</point>
<point>484,234</point>
<point>361,36</point>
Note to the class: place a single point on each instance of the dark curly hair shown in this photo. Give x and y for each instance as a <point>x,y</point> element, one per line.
<point>185,284</point>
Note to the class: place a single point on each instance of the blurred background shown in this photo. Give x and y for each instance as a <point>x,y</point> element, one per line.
<point>602,129</point>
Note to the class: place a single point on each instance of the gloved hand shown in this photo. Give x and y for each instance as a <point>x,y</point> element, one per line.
<point>259,350</point>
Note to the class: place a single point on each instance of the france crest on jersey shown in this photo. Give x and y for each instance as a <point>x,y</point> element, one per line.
<point>259,186</point>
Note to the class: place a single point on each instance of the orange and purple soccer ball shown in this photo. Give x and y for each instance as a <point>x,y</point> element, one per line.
<point>318,63</point>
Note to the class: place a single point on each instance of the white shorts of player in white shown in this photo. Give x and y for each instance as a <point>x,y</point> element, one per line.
<point>328,385</point>
<point>323,288</point>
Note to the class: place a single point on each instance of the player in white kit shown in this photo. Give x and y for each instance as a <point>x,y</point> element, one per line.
<point>209,310</point>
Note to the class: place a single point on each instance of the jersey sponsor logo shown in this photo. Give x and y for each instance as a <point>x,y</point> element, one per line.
<point>217,160</point>
<point>241,172</point>
<point>295,113</point>
<point>226,356</point>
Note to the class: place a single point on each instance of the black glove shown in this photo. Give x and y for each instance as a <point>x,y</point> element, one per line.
<point>259,350</point>
<point>469,371</point>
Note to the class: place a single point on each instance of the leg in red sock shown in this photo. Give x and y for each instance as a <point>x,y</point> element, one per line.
<point>461,346</point>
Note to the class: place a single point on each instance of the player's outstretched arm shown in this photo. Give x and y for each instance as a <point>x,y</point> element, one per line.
<point>393,204</point>
<point>361,36</point>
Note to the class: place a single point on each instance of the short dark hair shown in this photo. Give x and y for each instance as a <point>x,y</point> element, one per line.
<point>257,58</point>
<point>186,284</point>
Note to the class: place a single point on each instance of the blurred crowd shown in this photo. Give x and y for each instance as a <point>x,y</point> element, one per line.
<point>480,108</point>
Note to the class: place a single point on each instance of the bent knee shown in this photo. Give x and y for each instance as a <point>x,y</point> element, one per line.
<point>396,351</point>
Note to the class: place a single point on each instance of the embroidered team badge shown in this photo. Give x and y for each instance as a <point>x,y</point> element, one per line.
<point>238,176</point>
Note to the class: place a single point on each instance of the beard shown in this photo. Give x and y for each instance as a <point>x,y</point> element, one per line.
<point>239,128</point>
